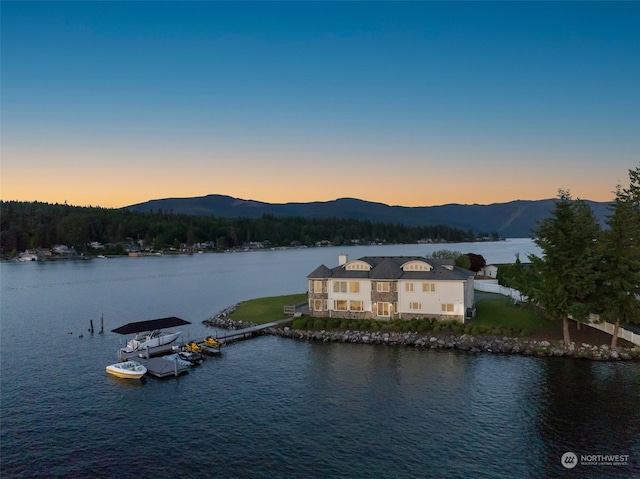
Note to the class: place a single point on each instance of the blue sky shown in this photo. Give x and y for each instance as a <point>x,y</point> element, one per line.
<point>416,103</point>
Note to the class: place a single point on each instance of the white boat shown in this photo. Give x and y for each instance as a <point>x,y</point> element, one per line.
<point>127,369</point>
<point>151,339</point>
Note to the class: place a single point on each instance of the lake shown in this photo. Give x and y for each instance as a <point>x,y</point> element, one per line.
<point>272,407</point>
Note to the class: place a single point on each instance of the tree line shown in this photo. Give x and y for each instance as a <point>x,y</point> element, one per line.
<point>585,269</point>
<point>30,225</point>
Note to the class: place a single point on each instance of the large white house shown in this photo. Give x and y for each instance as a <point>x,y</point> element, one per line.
<point>389,287</point>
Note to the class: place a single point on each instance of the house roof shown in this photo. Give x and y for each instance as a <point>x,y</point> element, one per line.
<point>320,272</point>
<point>390,268</point>
<point>150,325</point>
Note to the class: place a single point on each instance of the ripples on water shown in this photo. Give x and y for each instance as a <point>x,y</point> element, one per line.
<point>272,407</point>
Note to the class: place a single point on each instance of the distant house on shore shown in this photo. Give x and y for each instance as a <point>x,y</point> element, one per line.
<point>490,271</point>
<point>63,250</point>
<point>390,287</point>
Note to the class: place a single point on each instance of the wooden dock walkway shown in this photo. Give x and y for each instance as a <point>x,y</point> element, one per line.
<point>240,334</point>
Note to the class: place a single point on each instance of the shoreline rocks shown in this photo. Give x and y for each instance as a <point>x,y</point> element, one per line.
<point>465,342</point>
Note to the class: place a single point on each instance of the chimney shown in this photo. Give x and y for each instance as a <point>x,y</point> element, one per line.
<point>342,259</point>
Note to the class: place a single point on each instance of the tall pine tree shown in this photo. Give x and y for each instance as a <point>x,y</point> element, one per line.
<point>619,267</point>
<point>565,283</point>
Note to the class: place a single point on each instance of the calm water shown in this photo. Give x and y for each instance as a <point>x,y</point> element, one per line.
<point>271,407</point>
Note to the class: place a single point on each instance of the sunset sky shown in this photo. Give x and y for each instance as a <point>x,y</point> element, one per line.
<point>414,104</point>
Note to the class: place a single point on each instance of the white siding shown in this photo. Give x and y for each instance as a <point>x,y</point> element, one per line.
<point>364,295</point>
<point>447,292</point>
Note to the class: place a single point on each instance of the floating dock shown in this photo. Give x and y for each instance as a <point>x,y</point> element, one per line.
<point>161,368</point>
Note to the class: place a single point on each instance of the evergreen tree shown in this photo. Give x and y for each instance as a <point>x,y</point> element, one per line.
<point>564,283</point>
<point>619,267</point>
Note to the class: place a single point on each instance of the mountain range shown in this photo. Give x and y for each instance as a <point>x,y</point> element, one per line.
<point>514,219</point>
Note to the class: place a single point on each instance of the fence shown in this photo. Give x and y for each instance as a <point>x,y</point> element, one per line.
<point>492,286</point>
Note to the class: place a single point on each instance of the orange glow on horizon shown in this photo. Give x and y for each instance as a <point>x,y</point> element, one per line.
<point>106,199</point>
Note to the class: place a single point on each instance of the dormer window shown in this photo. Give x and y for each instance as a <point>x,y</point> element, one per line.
<point>357,266</point>
<point>416,266</point>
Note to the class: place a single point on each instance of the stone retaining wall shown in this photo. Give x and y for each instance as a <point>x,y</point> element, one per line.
<point>464,342</point>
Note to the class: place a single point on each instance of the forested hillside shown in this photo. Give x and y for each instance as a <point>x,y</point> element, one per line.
<point>515,219</point>
<point>42,225</point>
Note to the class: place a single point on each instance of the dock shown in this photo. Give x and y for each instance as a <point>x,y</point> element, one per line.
<point>160,367</point>
<point>240,334</point>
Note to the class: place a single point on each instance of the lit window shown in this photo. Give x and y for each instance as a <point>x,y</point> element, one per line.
<point>340,305</point>
<point>317,286</point>
<point>447,308</point>
<point>355,305</point>
<point>384,309</point>
<point>339,286</point>
<point>415,306</point>
<point>428,287</point>
<point>354,287</point>
<point>383,287</point>
<point>317,305</point>
<point>408,287</point>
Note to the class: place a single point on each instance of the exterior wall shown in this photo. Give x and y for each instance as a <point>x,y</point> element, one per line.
<point>490,270</point>
<point>459,294</point>
<point>363,295</point>
<point>469,296</point>
<point>380,297</point>
<point>447,292</point>
<point>321,295</point>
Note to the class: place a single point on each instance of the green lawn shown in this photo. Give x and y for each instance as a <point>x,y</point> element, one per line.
<point>500,312</point>
<point>492,313</point>
<point>265,310</point>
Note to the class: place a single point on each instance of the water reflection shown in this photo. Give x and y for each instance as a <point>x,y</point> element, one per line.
<point>590,408</point>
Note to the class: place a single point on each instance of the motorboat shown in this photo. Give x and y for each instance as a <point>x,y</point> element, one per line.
<point>151,339</point>
<point>127,370</point>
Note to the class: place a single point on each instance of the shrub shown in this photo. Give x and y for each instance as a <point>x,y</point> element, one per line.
<point>423,326</point>
<point>344,324</point>
<point>319,324</point>
<point>333,323</point>
<point>299,323</point>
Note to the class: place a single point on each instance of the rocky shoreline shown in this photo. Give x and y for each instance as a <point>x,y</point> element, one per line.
<point>464,342</point>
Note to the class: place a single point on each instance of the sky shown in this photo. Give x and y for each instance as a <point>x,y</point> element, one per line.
<point>404,103</point>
